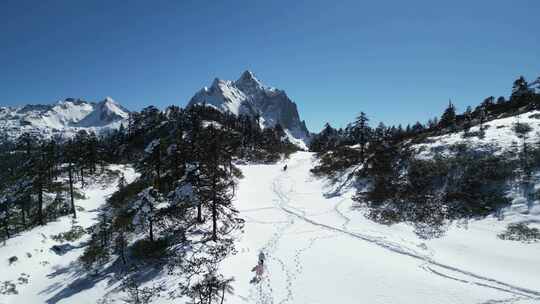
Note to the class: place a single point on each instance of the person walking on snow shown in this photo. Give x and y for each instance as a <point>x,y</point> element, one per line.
<point>258,269</point>
<point>285,168</point>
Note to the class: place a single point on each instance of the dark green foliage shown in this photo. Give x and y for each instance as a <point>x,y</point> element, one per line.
<point>337,160</point>
<point>328,139</point>
<point>94,255</point>
<point>427,192</point>
<point>146,249</point>
<point>72,235</point>
<point>479,134</point>
<point>448,119</point>
<point>521,128</point>
<point>186,160</point>
<point>520,232</point>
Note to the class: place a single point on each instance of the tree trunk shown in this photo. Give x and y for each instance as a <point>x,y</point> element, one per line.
<point>122,248</point>
<point>199,213</point>
<point>223,294</point>
<point>23,213</point>
<point>82,177</point>
<point>40,202</point>
<point>214,221</point>
<point>71,190</point>
<point>151,223</point>
<point>6,223</point>
<point>214,207</point>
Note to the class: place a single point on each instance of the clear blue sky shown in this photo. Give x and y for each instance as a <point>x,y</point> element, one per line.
<point>399,61</point>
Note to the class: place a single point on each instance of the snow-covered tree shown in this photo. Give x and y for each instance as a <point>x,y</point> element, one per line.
<point>144,209</point>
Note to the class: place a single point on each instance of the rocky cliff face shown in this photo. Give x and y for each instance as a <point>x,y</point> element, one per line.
<point>249,96</point>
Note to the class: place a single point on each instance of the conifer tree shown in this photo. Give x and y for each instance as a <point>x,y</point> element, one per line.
<point>361,132</point>
<point>448,119</point>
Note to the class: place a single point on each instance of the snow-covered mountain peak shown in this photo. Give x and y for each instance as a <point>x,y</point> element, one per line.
<point>217,83</point>
<point>62,118</point>
<point>112,107</point>
<point>104,113</point>
<point>248,96</point>
<point>249,83</point>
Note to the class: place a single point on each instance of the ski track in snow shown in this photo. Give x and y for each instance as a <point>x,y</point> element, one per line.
<point>429,264</point>
<point>265,294</point>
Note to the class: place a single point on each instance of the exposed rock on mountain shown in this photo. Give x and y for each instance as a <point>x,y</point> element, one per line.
<point>249,96</point>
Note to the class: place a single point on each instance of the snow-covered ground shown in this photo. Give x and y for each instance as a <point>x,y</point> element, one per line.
<point>499,135</point>
<point>317,250</point>
<point>51,276</point>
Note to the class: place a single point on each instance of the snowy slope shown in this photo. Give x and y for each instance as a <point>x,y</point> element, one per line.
<point>65,118</point>
<point>499,135</point>
<point>317,251</point>
<point>248,96</point>
<point>105,113</point>
<point>51,277</point>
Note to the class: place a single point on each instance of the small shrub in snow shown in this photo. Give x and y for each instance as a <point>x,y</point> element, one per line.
<point>336,161</point>
<point>479,134</point>
<point>521,128</point>
<point>12,260</point>
<point>137,294</point>
<point>147,249</point>
<point>72,235</point>
<point>94,255</point>
<point>384,216</point>
<point>8,288</point>
<point>520,232</point>
<point>23,279</point>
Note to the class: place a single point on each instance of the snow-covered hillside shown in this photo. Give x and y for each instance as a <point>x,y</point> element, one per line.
<point>39,274</point>
<point>320,251</point>
<point>499,135</point>
<point>317,250</point>
<point>249,96</point>
<point>64,118</point>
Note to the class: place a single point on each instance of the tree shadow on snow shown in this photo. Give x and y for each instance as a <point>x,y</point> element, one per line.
<point>81,279</point>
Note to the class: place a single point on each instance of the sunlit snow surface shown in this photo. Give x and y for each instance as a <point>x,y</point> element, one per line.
<point>56,278</point>
<point>317,251</point>
<point>499,136</point>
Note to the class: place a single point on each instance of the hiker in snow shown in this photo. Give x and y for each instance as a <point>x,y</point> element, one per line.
<point>258,269</point>
<point>285,168</point>
<point>258,274</point>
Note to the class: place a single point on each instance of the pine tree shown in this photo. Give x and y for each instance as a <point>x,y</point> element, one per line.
<point>519,89</point>
<point>216,181</point>
<point>145,209</point>
<point>448,119</point>
<point>468,115</point>
<point>361,132</point>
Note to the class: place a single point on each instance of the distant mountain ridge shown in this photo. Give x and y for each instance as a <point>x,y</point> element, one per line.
<point>64,118</point>
<point>248,96</point>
